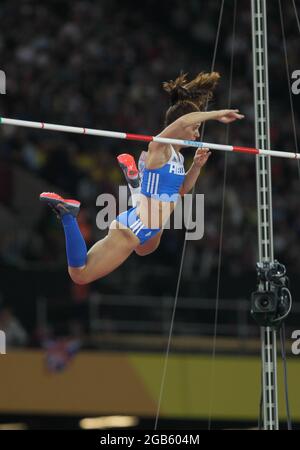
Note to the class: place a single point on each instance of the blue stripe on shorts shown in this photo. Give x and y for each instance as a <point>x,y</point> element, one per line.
<point>132,221</point>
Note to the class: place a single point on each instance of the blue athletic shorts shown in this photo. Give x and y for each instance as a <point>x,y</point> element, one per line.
<point>133,222</point>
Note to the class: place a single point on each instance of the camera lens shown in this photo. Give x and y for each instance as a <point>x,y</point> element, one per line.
<point>264,302</point>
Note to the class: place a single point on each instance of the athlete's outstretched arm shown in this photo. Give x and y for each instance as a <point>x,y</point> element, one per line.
<point>200,159</point>
<point>175,129</point>
<point>222,115</point>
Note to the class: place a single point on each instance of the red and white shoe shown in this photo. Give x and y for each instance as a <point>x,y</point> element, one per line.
<point>60,205</point>
<point>127,164</point>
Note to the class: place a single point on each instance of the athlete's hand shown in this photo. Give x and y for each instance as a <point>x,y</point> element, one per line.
<point>229,115</point>
<point>201,156</point>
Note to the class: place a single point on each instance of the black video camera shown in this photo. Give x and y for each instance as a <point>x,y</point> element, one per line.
<point>271,303</point>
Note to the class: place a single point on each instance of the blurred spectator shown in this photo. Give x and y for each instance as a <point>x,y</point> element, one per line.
<point>15,334</point>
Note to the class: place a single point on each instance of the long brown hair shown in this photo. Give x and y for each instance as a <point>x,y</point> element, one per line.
<point>189,96</point>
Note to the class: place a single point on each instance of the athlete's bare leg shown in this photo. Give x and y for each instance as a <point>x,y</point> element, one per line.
<point>149,246</point>
<point>106,255</point>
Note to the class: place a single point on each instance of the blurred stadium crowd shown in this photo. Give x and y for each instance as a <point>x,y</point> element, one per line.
<point>101,65</point>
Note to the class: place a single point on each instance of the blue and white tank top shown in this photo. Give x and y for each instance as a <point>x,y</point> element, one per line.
<point>164,183</point>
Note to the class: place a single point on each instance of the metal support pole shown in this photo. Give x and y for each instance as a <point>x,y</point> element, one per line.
<point>264,202</point>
